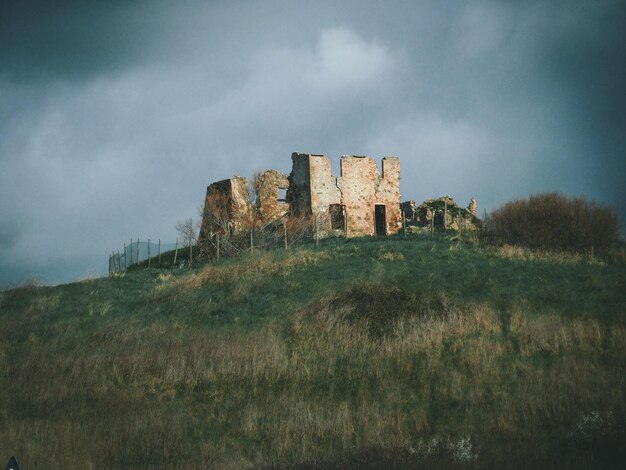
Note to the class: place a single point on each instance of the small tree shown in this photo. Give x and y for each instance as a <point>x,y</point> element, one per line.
<point>187,230</point>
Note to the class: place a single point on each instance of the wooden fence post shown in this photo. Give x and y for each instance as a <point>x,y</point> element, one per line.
<point>190,251</point>
<point>403,223</point>
<point>285,231</point>
<point>345,222</point>
<point>251,241</point>
<point>125,257</point>
<point>131,252</point>
<point>218,246</point>
<point>149,252</point>
<point>138,253</point>
<point>159,252</point>
<point>445,215</point>
<point>119,262</point>
<point>176,251</point>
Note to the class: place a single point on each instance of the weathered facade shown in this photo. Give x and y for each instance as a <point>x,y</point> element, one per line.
<point>360,201</point>
<point>227,207</point>
<point>271,191</point>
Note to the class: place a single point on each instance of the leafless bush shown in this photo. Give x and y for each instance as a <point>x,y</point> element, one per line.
<point>187,230</point>
<point>300,228</point>
<point>553,221</point>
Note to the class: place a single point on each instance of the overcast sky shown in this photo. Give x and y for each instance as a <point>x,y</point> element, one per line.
<point>116,115</point>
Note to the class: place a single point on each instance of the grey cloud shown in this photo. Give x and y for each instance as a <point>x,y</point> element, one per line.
<point>115,116</point>
<point>44,40</point>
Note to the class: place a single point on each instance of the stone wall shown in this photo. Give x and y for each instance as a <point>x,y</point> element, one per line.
<point>361,201</point>
<point>226,207</point>
<point>446,212</point>
<point>298,194</point>
<point>268,186</point>
<point>473,207</point>
<point>362,187</point>
<point>313,189</point>
<point>388,193</point>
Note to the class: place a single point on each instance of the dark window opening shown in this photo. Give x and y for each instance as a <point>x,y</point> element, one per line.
<point>337,217</point>
<point>282,195</point>
<point>439,220</point>
<point>423,215</point>
<point>380,218</point>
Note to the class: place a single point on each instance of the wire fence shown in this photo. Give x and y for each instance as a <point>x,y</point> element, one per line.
<point>143,254</point>
<point>223,244</point>
<point>138,253</point>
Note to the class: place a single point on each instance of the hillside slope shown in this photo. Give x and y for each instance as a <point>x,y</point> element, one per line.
<point>391,352</point>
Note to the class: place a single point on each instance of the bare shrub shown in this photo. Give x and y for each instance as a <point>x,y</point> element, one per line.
<point>553,221</point>
<point>187,230</point>
<point>300,228</point>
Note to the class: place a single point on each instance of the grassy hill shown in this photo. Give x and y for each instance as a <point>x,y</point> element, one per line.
<point>372,353</point>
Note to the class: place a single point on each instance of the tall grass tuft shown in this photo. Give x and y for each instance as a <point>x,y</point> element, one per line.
<point>377,307</point>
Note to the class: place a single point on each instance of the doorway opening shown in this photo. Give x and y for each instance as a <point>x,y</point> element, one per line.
<point>380,220</point>
<point>337,217</point>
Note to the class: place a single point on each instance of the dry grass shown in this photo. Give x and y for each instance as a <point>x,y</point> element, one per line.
<point>311,389</point>
<point>522,253</point>
<point>402,373</point>
<point>390,256</point>
<point>248,268</point>
<point>289,394</point>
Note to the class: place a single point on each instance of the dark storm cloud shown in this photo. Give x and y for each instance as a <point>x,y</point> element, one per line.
<point>114,116</point>
<point>585,60</point>
<point>42,40</point>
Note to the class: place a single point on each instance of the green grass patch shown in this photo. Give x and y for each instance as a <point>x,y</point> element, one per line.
<point>420,352</point>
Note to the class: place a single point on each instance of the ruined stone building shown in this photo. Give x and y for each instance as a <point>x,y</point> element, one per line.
<point>441,213</point>
<point>271,195</point>
<point>360,201</point>
<point>226,207</point>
